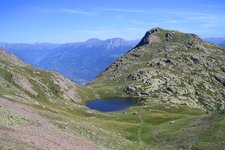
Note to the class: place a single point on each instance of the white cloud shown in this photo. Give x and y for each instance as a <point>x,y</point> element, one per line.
<point>122,10</point>
<point>80,12</point>
<point>121,18</point>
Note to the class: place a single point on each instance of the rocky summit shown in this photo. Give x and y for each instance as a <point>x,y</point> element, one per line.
<point>170,67</point>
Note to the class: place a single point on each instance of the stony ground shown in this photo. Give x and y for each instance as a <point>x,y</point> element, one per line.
<point>24,125</point>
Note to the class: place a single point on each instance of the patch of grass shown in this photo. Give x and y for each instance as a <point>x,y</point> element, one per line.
<point>149,127</point>
<point>154,131</point>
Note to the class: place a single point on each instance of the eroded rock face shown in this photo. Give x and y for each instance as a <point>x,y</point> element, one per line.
<point>169,35</point>
<point>24,83</point>
<point>174,67</point>
<point>150,37</point>
<point>220,78</point>
<point>68,89</point>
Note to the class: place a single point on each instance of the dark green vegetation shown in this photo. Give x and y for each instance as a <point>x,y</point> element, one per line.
<point>181,76</point>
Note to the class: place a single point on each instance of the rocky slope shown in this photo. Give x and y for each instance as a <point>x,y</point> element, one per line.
<point>22,80</point>
<point>169,66</point>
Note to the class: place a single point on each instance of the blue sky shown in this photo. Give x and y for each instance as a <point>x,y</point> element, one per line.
<point>61,21</point>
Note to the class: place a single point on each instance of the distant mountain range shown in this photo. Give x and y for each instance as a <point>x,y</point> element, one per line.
<point>81,61</point>
<point>218,41</point>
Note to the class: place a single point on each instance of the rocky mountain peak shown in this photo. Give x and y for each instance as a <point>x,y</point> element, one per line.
<point>150,37</point>
<point>159,35</point>
<point>171,66</point>
<point>115,42</point>
<point>108,43</point>
<point>92,42</point>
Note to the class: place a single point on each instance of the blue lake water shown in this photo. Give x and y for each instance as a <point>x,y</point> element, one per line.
<point>112,104</point>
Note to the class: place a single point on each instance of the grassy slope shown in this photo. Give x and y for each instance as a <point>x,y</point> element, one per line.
<point>140,127</point>
<point>150,127</point>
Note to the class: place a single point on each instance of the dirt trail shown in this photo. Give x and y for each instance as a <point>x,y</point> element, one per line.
<point>140,129</point>
<point>42,135</point>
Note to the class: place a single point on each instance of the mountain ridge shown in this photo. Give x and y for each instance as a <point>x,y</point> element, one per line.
<point>218,41</point>
<point>170,66</point>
